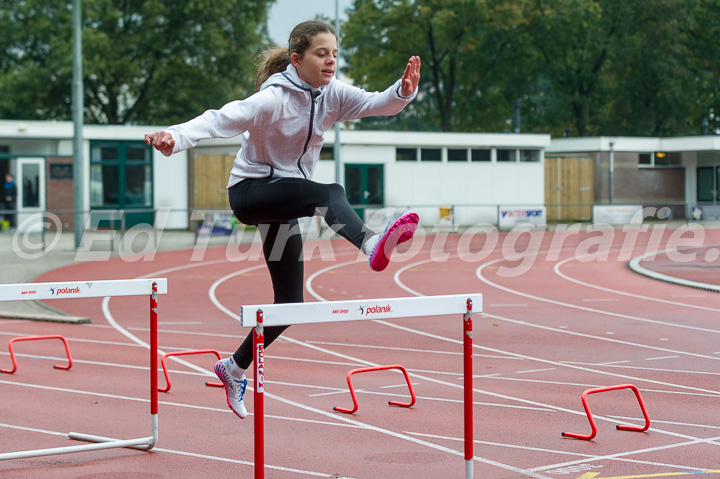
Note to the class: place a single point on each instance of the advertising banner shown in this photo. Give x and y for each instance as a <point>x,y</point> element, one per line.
<point>511,216</point>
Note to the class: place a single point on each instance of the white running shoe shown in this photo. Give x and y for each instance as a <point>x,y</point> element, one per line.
<point>234,388</point>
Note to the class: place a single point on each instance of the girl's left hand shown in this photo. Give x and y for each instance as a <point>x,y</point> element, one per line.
<point>411,77</point>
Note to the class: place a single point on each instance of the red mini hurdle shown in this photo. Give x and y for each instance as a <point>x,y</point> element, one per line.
<point>33,338</point>
<point>619,426</point>
<point>376,368</point>
<point>183,353</point>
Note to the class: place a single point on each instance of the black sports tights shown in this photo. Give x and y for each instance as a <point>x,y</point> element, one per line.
<point>274,205</point>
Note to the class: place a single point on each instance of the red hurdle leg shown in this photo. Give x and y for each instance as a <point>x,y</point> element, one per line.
<point>32,338</point>
<point>376,368</point>
<point>619,426</point>
<point>468,389</point>
<point>183,353</point>
<point>259,397</point>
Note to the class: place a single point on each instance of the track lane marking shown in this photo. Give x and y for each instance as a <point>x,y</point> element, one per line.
<point>557,271</point>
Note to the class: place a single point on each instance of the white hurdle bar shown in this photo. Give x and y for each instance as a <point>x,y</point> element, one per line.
<point>259,316</point>
<point>97,289</point>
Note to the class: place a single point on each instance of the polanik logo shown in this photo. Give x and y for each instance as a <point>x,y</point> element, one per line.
<point>59,291</point>
<point>376,309</point>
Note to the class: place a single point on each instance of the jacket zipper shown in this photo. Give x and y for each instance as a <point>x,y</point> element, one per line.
<point>313,96</point>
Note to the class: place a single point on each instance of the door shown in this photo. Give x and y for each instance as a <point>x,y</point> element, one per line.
<point>708,179</point>
<point>569,188</point>
<point>30,181</point>
<point>364,186</point>
<point>209,179</point>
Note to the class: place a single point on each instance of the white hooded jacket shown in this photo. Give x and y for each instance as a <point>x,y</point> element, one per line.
<point>283,123</point>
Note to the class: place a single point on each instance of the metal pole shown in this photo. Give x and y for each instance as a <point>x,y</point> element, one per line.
<point>78,108</point>
<point>612,172</point>
<point>336,148</point>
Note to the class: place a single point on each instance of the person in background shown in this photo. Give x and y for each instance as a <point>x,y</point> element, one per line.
<point>10,199</point>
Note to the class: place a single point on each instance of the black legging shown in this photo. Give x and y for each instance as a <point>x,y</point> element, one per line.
<point>274,205</point>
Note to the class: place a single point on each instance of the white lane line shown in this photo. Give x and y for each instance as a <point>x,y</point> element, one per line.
<point>659,370</point>
<point>554,451</point>
<point>479,274</point>
<point>223,410</point>
<point>190,454</point>
<point>637,451</point>
<point>557,266</point>
<point>608,373</point>
<point>683,424</point>
<point>391,348</point>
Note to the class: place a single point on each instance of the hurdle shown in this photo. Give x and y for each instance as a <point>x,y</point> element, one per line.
<point>97,289</point>
<point>259,316</point>
<point>35,338</point>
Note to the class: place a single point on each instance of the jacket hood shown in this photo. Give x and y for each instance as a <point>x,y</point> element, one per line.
<point>290,79</point>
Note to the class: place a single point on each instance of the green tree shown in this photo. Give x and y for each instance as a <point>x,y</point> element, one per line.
<point>144,61</point>
<point>575,40</point>
<point>649,81</point>
<point>703,48</point>
<point>463,45</point>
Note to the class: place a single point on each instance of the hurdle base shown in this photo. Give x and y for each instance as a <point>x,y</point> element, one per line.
<point>145,444</point>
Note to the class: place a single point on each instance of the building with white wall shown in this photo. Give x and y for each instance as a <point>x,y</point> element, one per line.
<point>473,173</point>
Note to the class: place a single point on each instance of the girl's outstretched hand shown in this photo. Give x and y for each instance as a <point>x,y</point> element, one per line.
<point>411,77</point>
<point>162,141</point>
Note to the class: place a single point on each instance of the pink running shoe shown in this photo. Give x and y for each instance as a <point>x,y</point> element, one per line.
<point>397,232</point>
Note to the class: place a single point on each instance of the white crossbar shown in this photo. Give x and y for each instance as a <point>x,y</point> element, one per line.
<point>81,289</point>
<point>358,310</point>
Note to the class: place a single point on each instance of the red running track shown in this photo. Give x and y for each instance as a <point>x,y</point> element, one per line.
<point>563,313</point>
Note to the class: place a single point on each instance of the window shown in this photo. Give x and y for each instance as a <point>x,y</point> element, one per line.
<point>121,177</point>
<point>479,155</point>
<point>530,155</point>
<point>430,154</point>
<point>660,158</point>
<point>406,154</point>
<point>505,155</point>
<point>327,153</point>
<point>4,149</point>
<point>457,155</point>
<point>667,159</point>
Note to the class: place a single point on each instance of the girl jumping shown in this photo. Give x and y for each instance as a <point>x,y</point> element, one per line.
<point>281,128</point>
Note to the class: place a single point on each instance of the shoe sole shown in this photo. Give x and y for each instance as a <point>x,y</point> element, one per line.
<point>399,232</point>
<point>221,377</point>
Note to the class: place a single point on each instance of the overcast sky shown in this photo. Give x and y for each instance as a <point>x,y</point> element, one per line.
<point>285,14</point>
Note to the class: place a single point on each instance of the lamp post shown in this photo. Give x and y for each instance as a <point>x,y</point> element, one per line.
<point>336,147</point>
<point>78,107</point>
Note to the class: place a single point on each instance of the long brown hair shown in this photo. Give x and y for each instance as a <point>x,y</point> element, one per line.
<point>276,59</point>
